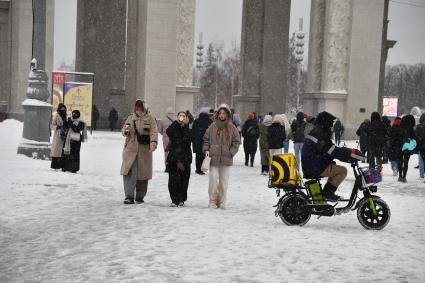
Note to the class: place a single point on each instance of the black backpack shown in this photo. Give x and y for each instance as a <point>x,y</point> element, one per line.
<point>298,134</point>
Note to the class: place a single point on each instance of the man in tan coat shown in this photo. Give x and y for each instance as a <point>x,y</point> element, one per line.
<point>221,143</point>
<point>141,134</point>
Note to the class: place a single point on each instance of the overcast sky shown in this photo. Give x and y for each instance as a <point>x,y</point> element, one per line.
<point>221,20</point>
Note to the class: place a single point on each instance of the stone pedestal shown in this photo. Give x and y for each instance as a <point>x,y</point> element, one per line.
<point>264,57</point>
<point>37,113</point>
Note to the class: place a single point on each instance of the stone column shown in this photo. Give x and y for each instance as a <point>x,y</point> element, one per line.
<point>20,51</point>
<point>264,58</point>
<point>185,44</point>
<point>336,45</point>
<point>152,42</point>
<point>275,57</point>
<point>4,58</point>
<point>251,56</point>
<point>100,49</point>
<point>39,38</point>
<point>315,50</point>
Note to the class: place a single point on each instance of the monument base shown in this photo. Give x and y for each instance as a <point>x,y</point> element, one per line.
<point>246,104</point>
<point>35,141</point>
<point>34,149</point>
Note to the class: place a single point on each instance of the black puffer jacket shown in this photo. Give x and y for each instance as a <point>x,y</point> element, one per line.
<point>199,128</point>
<point>276,136</point>
<point>407,126</point>
<point>180,141</point>
<point>376,132</point>
<point>396,142</point>
<point>298,127</point>
<point>362,133</point>
<point>318,150</point>
<point>250,133</point>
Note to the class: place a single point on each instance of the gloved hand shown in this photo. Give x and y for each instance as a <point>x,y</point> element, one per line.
<point>180,166</point>
<point>356,155</point>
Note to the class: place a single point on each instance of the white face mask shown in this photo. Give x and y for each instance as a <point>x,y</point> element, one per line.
<point>139,112</point>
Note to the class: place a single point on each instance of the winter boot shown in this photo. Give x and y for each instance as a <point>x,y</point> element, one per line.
<point>329,193</point>
<point>129,201</point>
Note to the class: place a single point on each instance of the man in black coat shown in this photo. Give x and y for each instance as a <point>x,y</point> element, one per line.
<point>387,123</point>
<point>179,159</point>
<point>420,137</point>
<point>376,138</point>
<point>338,131</point>
<point>113,118</point>
<point>95,117</point>
<point>318,153</point>
<point>362,133</point>
<point>199,127</point>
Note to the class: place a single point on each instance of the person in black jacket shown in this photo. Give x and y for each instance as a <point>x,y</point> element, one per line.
<point>297,128</point>
<point>395,144</point>
<point>420,138</point>
<point>113,118</point>
<point>95,117</point>
<point>250,134</point>
<point>387,124</point>
<point>76,134</point>
<point>318,153</point>
<point>376,138</point>
<point>276,135</point>
<point>362,133</point>
<point>179,159</point>
<point>407,132</point>
<point>338,131</point>
<point>199,127</point>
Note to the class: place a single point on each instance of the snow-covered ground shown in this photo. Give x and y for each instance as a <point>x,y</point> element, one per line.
<point>63,227</point>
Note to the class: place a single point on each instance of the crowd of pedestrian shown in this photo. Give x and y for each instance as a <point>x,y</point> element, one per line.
<point>215,136</point>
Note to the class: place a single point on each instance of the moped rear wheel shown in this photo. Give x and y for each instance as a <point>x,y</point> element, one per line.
<point>373,216</point>
<point>293,210</point>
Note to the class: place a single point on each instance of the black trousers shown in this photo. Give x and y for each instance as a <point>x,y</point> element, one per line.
<point>71,162</point>
<point>199,159</point>
<point>337,138</point>
<point>374,152</point>
<point>403,164</point>
<point>178,182</point>
<point>249,157</point>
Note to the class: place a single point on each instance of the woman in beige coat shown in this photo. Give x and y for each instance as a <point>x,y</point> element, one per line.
<point>141,134</point>
<point>221,143</point>
<point>59,126</point>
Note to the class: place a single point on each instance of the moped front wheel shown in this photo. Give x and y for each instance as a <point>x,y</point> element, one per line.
<point>293,210</point>
<point>373,213</point>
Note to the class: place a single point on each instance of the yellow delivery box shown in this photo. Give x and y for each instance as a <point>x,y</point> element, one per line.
<point>284,170</point>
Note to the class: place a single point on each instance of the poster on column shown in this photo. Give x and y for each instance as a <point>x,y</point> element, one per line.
<point>78,96</point>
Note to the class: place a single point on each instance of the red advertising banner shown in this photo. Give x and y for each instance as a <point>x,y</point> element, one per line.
<point>58,78</point>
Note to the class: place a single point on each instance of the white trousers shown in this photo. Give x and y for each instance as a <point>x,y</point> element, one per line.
<point>275,151</point>
<point>218,183</point>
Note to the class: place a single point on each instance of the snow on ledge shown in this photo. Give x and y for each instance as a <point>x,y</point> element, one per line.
<point>27,142</point>
<point>337,91</point>
<point>35,102</point>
